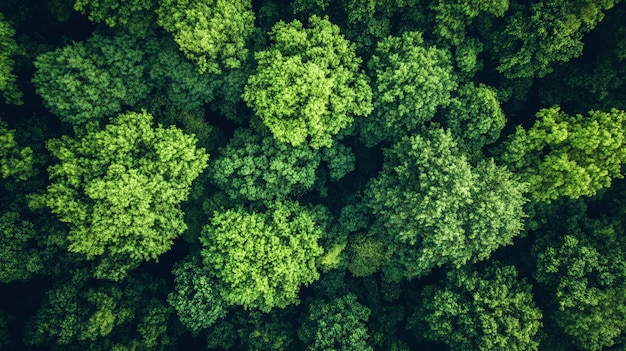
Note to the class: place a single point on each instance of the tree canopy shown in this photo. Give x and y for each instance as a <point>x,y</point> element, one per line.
<point>119,188</point>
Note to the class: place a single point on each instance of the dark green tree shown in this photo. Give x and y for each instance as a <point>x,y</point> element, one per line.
<point>336,325</point>
<point>411,80</point>
<point>91,80</point>
<point>119,189</point>
<point>433,208</point>
<point>483,310</point>
<point>261,259</point>
<point>308,85</point>
<point>136,15</point>
<point>562,155</point>
<point>15,162</point>
<point>8,50</point>
<point>19,259</point>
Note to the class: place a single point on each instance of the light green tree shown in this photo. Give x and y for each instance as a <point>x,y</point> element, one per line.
<point>119,189</point>
<point>212,33</point>
<point>308,85</point>
<point>411,80</point>
<point>432,207</point>
<point>261,259</point>
<point>8,49</point>
<point>483,310</point>
<point>563,155</point>
<point>336,325</point>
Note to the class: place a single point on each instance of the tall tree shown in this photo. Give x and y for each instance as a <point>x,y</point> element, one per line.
<point>479,310</point>
<point>308,85</point>
<point>433,208</point>
<point>562,155</point>
<point>261,259</point>
<point>119,189</point>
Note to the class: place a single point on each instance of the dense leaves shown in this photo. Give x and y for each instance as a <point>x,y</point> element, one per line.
<point>434,208</point>
<point>8,49</point>
<point>564,155</point>
<point>308,86</point>
<point>473,310</point>
<point>262,258</point>
<point>119,188</point>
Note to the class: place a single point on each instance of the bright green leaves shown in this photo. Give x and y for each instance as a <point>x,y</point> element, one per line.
<point>8,49</point>
<point>471,310</point>
<point>262,259</point>
<point>433,208</point>
<point>336,325</point>
<point>15,162</point>
<point>90,80</point>
<point>564,155</point>
<point>18,261</point>
<point>119,188</point>
<point>258,167</point>
<point>308,86</point>
<point>212,33</point>
<point>411,82</point>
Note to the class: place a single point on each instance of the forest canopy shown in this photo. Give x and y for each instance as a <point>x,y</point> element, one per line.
<point>313,175</point>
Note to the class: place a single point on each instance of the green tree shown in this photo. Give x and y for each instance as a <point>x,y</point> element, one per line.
<point>136,15</point>
<point>15,162</point>
<point>479,310</point>
<point>212,33</point>
<point>542,33</point>
<point>562,155</point>
<point>83,315</point>
<point>410,82</point>
<point>433,208</point>
<point>308,86</point>
<point>87,81</point>
<point>474,117</point>
<point>19,260</point>
<point>119,189</point>
<point>262,258</point>
<point>8,49</point>
<point>256,166</point>
<point>196,299</point>
<point>585,277</point>
<point>336,325</point>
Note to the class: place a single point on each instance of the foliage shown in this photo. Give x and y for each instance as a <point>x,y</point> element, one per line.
<point>474,118</point>
<point>256,166</point>
<point>196,299</point>
<point>564,155</point>
<point>136,15</point>
<point>262,258</point>
<point>433,208</point>
<point>8,49</point>
<point>14,162</point>
<point>308,85</point>
<point>90,80</point>
<point>19,260</point>
<point>336,325</point>
<point>479,310</point>
<point>212,33</point>
<point>119,188</point>
<point>544,32</point>
<point>411,82</point>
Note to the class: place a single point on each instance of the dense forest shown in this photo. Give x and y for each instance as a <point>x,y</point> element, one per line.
<point>313,175</point>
